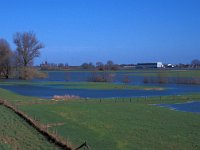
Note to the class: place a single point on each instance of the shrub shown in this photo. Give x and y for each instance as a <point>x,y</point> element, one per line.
<point>101,77</point>
<point>65,97</point>
<point>28,73</point>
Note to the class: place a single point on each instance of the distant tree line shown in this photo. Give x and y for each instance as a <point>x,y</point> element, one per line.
<point>53,66</point>
<point>18,63</point>
<point>110,65</point>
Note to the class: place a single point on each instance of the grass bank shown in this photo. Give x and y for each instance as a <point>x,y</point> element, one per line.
<point>15,133</point>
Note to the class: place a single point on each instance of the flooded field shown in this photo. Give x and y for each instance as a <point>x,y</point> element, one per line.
<point>40,88</point>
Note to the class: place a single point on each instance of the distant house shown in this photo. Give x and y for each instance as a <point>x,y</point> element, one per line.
<point>149,65</point>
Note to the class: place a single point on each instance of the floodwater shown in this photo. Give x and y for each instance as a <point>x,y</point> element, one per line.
<point>193,107</point>
<point>48,91</point>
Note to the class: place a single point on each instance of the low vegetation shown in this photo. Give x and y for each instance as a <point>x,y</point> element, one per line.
<point>101,77</point>
<point>65,97</point>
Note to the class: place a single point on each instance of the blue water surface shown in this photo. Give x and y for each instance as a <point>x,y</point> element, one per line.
<point>186,107</point>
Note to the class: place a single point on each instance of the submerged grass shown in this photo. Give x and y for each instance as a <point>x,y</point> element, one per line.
<point>86,85</point>
<point>117,123</point>
<point>108,86</point>
<point>169,73</point>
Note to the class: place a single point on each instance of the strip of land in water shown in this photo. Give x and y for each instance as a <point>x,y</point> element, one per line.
<point>87,85</point>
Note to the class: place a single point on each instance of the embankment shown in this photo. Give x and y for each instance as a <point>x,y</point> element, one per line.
<point>43,129</point>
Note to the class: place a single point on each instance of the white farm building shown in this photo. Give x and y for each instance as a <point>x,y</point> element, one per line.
<point>149,65</point>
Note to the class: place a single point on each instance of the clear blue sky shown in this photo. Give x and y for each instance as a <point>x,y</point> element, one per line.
<point>125,31</point>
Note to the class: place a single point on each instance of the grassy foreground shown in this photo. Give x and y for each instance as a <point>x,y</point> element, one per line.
<point>15,133</point>
<point>116,125</point>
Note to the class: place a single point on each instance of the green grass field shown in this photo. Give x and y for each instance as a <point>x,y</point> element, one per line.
<point>120,125</point>
<point>111,126</point>
<point>16,134</point>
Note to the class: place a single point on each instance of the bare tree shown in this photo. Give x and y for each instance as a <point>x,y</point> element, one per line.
<point>28,48</point>
<point>89,66</point>
<point>99,65</point>
<point>111,66</point>
<point>195,63</point>
<point>5,58</point>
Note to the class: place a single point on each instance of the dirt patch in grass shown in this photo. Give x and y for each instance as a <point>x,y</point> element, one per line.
<point>55,124</point>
